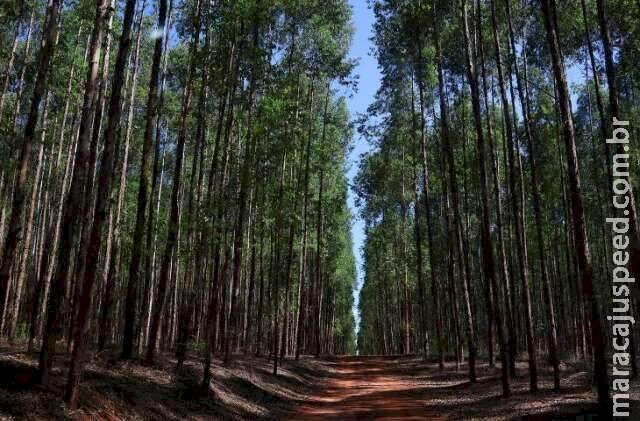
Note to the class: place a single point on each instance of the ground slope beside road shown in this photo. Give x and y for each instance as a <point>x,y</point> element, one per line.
<point>326,388</point>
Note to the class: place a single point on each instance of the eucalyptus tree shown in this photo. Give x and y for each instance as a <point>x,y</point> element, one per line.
<point>245,102</point>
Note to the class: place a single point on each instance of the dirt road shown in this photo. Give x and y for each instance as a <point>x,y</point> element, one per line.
<point>327,389</point>
<point>408,388</point>
<point>367,388</point>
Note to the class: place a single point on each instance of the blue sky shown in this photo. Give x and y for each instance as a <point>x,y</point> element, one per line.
<point>363,20</point>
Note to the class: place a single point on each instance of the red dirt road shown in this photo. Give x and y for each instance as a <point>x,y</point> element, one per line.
<point>327,389</point>
<point>409,388</point>
<point>367,388</point>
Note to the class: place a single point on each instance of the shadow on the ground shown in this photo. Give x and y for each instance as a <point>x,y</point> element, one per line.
<point>326,388</point>
<point>411,388</point>
<point>116,389</point>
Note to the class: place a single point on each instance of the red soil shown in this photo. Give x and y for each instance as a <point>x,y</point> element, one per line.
<point>408,388</point>
<point>366,389</point>
<point>328,388</point>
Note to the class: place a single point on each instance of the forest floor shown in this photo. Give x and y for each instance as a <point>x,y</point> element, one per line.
<point>331,388</point>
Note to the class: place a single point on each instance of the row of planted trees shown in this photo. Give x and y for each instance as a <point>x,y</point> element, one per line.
<point>486,193</point>
<point>172,178</point>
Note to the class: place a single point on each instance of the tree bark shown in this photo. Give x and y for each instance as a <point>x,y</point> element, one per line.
<point>546,285</point>
<point>174,218</point>
<point>518,211</point>
<point>577,207</point>
<point>101,207</point>
<point>487,246</point>
<point>49,40</point>
<point>26,243</point>
<point>143,189</point>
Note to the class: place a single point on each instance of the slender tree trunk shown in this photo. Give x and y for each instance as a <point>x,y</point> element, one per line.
<point>498,203</point>
<point>546,285</point>
<point>101,207</point>
<point>616,115</point>
<point>517,210</point>
<point>174,218</point>
<point>422,340</point>
<point>487,246</point>
<point>49,40</point>
<point>75,202</point>
<point>104,324</point>
<point>215,226</point>
<point>241,215</point>
<point>26,243</point>
<point>319,280</point>
<point>155,194</point>
<point>143,189</point>
<point>303,247</point>
<point>578,217</point>
<point>276,270</point>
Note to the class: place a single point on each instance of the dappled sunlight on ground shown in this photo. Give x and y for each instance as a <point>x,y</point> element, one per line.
<point>409,388</point>
<point>326,388</point>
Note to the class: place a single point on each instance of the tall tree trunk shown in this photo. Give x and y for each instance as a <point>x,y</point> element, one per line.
<point>75,202</point>
<point>498,203</point>
<point>186,304</point>
<point>49,40</point>
<point>277,270</point>
<point>518,211</point>
<point>101,207</point>
<point>422,326</point>
<point>577,207</point>
<point>104,324</point>
<point>155,194</point>
<point>26,243</point>
<point>245,173</point>
<point>143,189</point>
<point>487,246</point>
<point>546,285</point>
<point>319,277</point>
<point>303,247</point>
<point>216,224</point>
<point>174,218</point>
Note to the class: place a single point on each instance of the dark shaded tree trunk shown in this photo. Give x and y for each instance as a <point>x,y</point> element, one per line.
<point>101,207</point>
<point>143,189</point>
<point>319,277</point>
<point>76,199</point>
<point>19,275</point>
<point>112,271</point>
<point>546,285</point>
<point>518,211</point>
<point>174,218</point>
<point>20,189</point>
<point>577,207</point>
<point>303,249</point>
<point>487,244</point>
